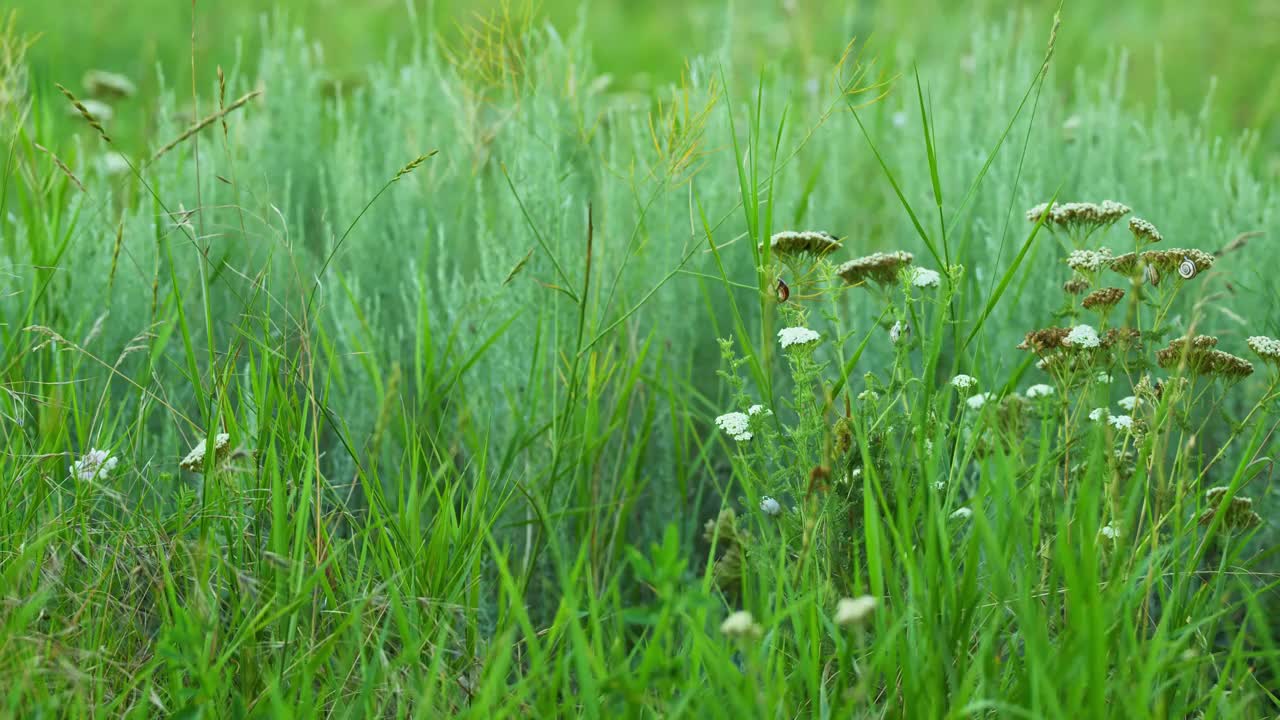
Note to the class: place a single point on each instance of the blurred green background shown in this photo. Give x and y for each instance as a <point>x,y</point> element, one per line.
<point>1219,58</point>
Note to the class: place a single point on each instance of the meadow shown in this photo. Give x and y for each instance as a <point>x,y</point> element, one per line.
<point>900,360</point>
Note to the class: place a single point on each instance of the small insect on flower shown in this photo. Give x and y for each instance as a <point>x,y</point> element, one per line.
<point>736,425</point>
<point>784,292</point>
<point>963,382</point>
<point>1039,391</point>
<point>855,611</point>
<point>770,507</point>
<point>797,337</point>
<point>93,465</point>
<point>741,625</point>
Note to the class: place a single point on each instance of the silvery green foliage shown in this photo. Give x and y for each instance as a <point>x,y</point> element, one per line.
<point>425,266</point>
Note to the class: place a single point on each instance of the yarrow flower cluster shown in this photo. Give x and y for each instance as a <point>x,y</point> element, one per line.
<point>1097,414</point>
<point>1103,299</point>
<point>1121,422</point>
<point>194,461</point>
<point>1237,516</point>
<point>758,410</point>
<point>925,278</point>
<point>855,611</point>
<point>963,513</point>
<point>1129,403</point>
<point>1075,215</point>
<point>1267,348</point>
<point>736,425</point>
<point>770,507</point>
<point>93,465</point>
<point>1198,354</point>
<point>882,268</point>
<point>1039,391</point>
<point>797,336</point>
<point>1109,532</point>
<point>741,625</point>
<point>803,242</point>
<point>1088,261</point>
<point>977,401</point>
<point>1144,231</point>
<point>1082,336</point>
<point>963,382</point>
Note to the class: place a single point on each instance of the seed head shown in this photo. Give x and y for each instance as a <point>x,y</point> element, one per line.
<point>797,243</point>
<point>1103,299</point>
<point>882,268</point>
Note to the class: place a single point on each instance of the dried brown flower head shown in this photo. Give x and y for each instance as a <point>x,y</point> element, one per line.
<point>1078,215</point>
<point>1237,516</point>
<point>1045,340</point>
<point>1121,338</point>
<point>1198,355</point>
<point>1104,299</point>
<point>795,243</point>
<point>1126,264</point>
<point>1143,231</point>
<point>1075,286</point>
<point>882,268</point>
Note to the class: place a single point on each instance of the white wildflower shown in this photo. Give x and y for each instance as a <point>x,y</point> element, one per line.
<point>1267,348</point>
<point>900,333</point>
<point>963,513</point>
<point>1109,532</point>
<point>1103,377</point>
<point>736,425</point>
<point>868,396</point>
<point>770,506</point>
<point>963,382</point>
<point>1121,422</point>
<point>759,410</point>
<point>1088,261</point>
<point>851,476</point>
<point>797,336</point>
<point>1097,414</point>
<point>925,278</point>
<point>977,401</point>
<point>940,485</point>
<point>93,465</point>
<point>1129,403</point>
<point>1039,391</point>
<point>194,461</point>
<point>740,625</point>
<point>1082,336</point>
<point>855,611</point>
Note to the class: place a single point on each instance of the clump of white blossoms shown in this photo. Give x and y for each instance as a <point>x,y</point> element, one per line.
<point>1109,532</point>
<point>758,410</point>
<point>900,333</point>
<point>194,461</point>
<point>977,401</point>
<point>855,611</point>
<point>797,336</point>
<point>1128,403</point>
<point>1121,422</point>
<point>93,465</point>
<point>1267,348</point>
<point>1039,391</point>
<point>963,513</point>
<point>1103,377</point>
<point>1088,261</point>
<point>963,382</point>
<point>1097,414</point>
<point>925,278</point>
<point>740,625</point>
<point>1082,336</point>
<point>736,425</point>
<point>770,507</point>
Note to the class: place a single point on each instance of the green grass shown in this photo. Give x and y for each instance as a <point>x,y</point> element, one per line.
<point>459,323</point>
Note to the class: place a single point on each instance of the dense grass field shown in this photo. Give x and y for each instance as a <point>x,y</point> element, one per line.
<point>686,361</point>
